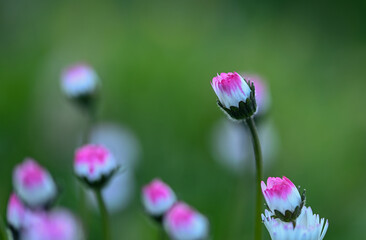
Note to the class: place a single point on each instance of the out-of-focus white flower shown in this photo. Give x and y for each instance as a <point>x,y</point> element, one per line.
<point>123,144</point>
<point>262,94</point>
<point>94,164</point>
<point>55,225</point>
<point>121,141</point>
<point>281,194</point>
<point>231,145</point>
<point>181,222</point>
<point>308,226</point>
<point>117,194</point>
<point>15,212</point>
<point>157,198</point>
<point>235,95</point>
<point>33,184</point>
<point>79,80</point>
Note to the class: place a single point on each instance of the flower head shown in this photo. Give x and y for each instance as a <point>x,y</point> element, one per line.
<point>79,80</point>
<point>15,212</point>
<point>94,164</point>
<point>308,226</point>
<point>55,225</point>
<point>236,96</point>
<point>33,184</point>
<point>281,195</point>
<point>157,198</point>
<point>183,223</point>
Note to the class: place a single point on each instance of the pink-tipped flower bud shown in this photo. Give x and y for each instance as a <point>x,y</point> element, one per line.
<point>33,184</point>
<point>236,95</point>
<point>283,198</point>
<point>181,222</point>
<point>157,198</point>
<point>307,226</point>
<point>16,211</point>
<point>95,165</point>
<point>79,80</point>
<point>56,225</point>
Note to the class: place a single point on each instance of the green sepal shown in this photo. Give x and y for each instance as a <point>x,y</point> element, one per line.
<point>246,109</point>
<point>291,216</point>
<point>101,183</point>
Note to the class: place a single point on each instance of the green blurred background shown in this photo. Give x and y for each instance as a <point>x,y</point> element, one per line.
<point>156,60</point>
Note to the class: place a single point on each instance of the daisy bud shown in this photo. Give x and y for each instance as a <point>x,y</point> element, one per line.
<point>236,95</point>
<point>55,225</point>
<point>94,165</point>
<point>283,198</point>
<point>34,185</point>
<point>181,222</point>
<point>15,212</point>
<point>80,82</point>
<point>308,226</point>
<point>157,198</point>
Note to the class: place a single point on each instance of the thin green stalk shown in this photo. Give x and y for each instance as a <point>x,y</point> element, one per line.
<point>90,120</point>
<point>259,167</point>
<point>104,214</point>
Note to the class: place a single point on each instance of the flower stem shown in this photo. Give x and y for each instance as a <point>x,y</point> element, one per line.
<point>104,214</point>
<point>259,166</point>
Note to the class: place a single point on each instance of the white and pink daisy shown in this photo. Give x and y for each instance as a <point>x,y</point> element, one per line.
<point>33,184</point>
<point>236,95</point>
<point>56,225</point>
<point>95,164</point>
<point>231,89</point>
<point>16,212</point>
<point>308,226</point>
<point>79,80</point>
<point>157,198</point>
<point>281,195</point>
<point>181,222</point>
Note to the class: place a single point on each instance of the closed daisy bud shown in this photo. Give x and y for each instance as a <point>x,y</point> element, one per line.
<point>94,165</point>
<point>34,185</point>
<point>15,213</point>
<point>283,198</point>
<point>181,222</point>
<point>55,225</point>
<point>308,226</point>
<point>157,198</point>
<point>236,95</point>
<point>80,82</point>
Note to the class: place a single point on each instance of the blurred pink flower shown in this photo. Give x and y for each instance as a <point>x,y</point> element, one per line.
<point>93,162</point>
<point>15,212</point>
<point>183,223</point>
<point>231,89</point>
<point>157,197</point>
<point>281,194</point>
<point>262,94</point>
<point>79,80</point>
<point>55,225</point>
<point>33,184</point>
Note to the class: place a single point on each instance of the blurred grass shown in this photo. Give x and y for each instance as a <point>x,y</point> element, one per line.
<point>156,60</point>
